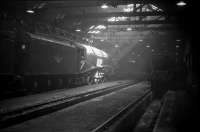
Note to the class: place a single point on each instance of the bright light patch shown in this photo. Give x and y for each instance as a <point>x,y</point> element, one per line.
<point>94,32</point>
<point>152,50</point>
<point>98,75</point>
<point>91,41</point>
<point>30,11</point>
<point>177,46</point>
<point>112,19</point>
<point>148,46</point>
<point>181,3</point>
<point>129,29</point>
<point>116,46</point>
<point>132,61</point>
<point>95,51</point>
<point>78,30</point>
<point>23,46</point>
<point>99,62</point>
<point>178,40</point>
<point>128,8</point>
<point>104,6</point>
<point>140,40</point>
<point>116,19</point>
<point>100,27</point>
<point>101,40</point>
<point>155,8</point>
<point>92,27</point>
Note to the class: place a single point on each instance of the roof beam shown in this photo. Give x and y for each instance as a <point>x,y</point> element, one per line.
<point>141,22</point>
<point>93,3</point>
<point>135,22</point>
<point>161,28</point>
<point>117,14</point>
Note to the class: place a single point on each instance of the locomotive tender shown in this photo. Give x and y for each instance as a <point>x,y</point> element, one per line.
<point>35,62</point>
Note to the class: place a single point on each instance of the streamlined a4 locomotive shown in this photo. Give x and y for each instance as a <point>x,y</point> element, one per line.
<point>35,62</point>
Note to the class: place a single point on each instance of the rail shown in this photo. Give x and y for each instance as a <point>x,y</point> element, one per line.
<point>117,119</point>
<point>20,115</point>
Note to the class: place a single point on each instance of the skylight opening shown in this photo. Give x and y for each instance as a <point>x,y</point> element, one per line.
<point>30,11</point>
<point>178,40</point>
<point>94,32</point>
<point>129,29</point>
<point>112,19</point>
<point>128,8</point>
<point>78,30</point>
<point>91,27</point>
<point>132,61</point>
<point>155,8</point>
<point>116,19</point>
<point>116,46</point>
<point>104,6</point>
<point>100,27</point>
<point>181,3</point>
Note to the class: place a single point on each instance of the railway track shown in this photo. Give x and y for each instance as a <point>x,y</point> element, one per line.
<point>123,117</point>
<point>23,114</point>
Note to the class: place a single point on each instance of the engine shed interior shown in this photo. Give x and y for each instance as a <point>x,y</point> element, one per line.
<point>63,44</point>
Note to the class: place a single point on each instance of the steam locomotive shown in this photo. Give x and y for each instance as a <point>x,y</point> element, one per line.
<point>36,62</point>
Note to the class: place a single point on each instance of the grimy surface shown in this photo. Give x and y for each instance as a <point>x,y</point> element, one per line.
<point>26,101</point>
<point>85,116</point>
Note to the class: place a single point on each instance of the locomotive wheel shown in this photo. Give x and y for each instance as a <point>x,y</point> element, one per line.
<point>90,80</point>
<point>102,80</point>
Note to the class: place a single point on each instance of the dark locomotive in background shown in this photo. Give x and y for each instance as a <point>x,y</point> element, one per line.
<point>34,61</point>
